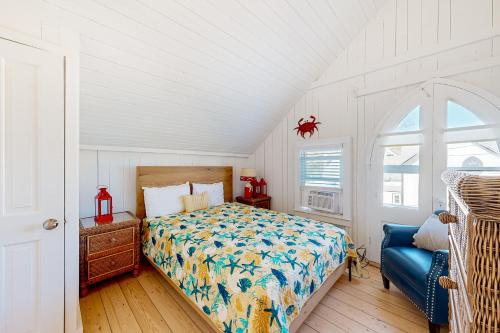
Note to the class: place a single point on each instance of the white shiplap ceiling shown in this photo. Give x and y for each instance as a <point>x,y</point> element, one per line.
<point>205,75</point>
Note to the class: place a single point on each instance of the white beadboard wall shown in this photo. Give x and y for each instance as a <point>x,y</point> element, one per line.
<point>407,43</point>
<point>115,167</point>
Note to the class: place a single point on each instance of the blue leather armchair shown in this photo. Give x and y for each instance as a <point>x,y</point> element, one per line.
<point>415,272</point>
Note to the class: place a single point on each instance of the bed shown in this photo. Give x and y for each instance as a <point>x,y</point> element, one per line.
<point>243,269</point>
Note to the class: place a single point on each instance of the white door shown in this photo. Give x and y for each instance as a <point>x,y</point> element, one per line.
<point>31,189</point>
<point>400,175</point>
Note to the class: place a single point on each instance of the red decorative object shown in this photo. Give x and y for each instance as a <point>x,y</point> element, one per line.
<point>248,190</point>
<point>263,188</point>
<point>249,175</point>
<point>255,187</point>
<point>307,126</point>
<point>103,205</point>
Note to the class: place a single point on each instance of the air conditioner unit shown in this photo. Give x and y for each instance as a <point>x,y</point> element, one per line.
<point>323,200</point>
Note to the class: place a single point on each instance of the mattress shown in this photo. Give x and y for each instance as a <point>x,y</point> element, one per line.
<point>246,268</point>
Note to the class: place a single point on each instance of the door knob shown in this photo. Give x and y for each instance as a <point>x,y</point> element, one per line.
<point>50,224</point>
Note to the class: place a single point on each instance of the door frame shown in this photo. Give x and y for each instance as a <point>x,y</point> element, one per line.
<point>69,48</point>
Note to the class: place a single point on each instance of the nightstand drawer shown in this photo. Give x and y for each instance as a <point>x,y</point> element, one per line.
<point>263,204</point>
<point>110,264</point>
<point>109,241</point>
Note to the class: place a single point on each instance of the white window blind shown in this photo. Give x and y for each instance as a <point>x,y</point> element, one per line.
<point>323,178</point>
<point>321,167</point>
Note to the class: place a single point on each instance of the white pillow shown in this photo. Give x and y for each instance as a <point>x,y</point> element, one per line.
<point>432,235</point>
<point>161,201</point>
<point>215,192</point>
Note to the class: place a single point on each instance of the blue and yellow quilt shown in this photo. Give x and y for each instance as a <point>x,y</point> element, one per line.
<point>248,269</point>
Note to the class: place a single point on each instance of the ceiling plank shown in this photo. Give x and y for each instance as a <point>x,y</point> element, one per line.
<point>213,75</point>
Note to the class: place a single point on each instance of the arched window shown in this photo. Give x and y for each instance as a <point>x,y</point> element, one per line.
<point>451,134</point>
<point>441,125</point>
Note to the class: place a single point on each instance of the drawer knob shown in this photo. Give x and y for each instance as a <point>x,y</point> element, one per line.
<point>112,263</point>
<point>447,218</point>
<point>447,283</point>
<point>113,240</point>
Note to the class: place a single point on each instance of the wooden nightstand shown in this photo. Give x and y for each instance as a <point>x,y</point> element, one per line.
<point>109,249</point>
<point>260,202</point>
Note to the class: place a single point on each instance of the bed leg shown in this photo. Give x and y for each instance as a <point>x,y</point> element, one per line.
<point>349,264</point>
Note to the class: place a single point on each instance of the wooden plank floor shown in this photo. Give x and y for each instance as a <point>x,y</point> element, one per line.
<point>148,304</point>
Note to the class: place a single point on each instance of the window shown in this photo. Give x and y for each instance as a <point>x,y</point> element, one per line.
<point>470,141</point>
<point>476,157</point>
<point>401,176</point>
<point>321,167</point>
<point>411,122</point>
<point>401,161</point>
<point>323,178</point>
<point>458,116</point>
<point>396,198</point>
<point>482,157</point>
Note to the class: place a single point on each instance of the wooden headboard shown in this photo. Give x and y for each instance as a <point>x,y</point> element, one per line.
<point>158,176</point>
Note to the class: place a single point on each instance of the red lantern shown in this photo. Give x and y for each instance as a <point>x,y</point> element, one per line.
<point>248,191</point>
<point>263,187</point>
<point>103,205</point>
<point>255,187</point>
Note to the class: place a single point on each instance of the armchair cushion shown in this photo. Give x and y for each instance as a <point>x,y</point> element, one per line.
<point>411,265</point>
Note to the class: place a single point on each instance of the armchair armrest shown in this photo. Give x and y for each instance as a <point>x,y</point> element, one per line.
<point>398,235</point>
<point>438,256</point>
<point>437,296</point>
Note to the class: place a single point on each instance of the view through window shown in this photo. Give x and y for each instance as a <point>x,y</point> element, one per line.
<point>482,157</point>
<point>401,166</point>
<point>401,176</point>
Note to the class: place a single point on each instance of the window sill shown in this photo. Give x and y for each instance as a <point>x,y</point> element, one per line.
<point>400,207</point>
<point>331,218</point>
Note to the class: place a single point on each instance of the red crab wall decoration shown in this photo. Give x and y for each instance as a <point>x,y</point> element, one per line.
<point>307,126</point>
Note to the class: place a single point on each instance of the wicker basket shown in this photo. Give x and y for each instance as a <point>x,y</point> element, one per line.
<point>474,222</point>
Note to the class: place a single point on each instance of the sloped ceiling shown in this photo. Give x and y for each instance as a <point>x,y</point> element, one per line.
<point>205,75</point>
